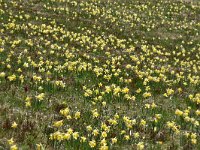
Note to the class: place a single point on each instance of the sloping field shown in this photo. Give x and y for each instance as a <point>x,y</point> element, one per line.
<point>97,74</point>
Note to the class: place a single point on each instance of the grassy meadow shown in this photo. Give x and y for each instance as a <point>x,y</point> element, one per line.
<point>99,75</point>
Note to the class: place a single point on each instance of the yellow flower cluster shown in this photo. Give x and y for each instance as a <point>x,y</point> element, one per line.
<point>97,74</point>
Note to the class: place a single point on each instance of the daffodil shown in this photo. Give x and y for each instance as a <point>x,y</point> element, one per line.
<point>14,125</point>
<point>92,143</point>
<point>58,123</point>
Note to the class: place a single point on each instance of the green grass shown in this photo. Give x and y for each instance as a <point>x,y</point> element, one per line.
<point>79,53</point>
